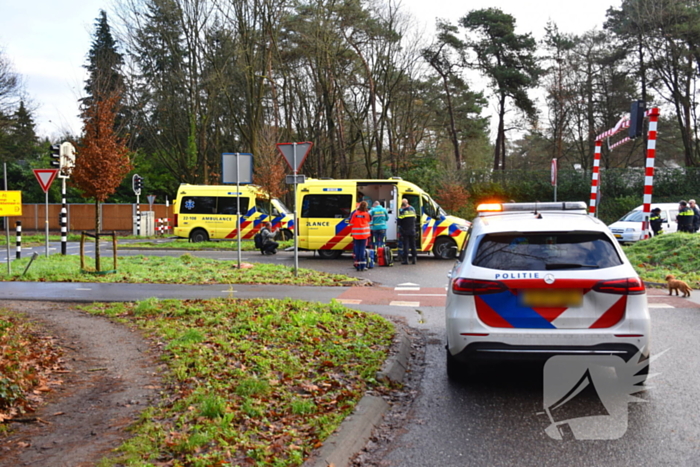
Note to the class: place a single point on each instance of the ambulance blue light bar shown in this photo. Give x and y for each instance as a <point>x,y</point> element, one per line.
<point>497,208</point>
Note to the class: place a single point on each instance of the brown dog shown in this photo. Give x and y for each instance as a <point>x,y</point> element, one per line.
<point>675,284</point>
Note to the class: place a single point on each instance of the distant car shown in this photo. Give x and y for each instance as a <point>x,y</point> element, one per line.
<point>536,280</point>
<point>629,228</point>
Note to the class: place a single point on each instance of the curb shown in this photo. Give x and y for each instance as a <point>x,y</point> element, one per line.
<point>354,432</point>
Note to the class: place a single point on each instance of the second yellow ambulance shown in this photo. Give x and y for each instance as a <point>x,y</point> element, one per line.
<point>326,205</point>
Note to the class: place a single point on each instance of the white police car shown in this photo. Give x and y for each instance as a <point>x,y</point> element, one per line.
<point>541,279</point>
<point>628,228</point>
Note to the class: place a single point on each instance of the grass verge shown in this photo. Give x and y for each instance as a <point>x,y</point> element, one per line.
<point>185,269</point>
<point>184,244</point>
<point>673,253</point>
<point>250,382</point>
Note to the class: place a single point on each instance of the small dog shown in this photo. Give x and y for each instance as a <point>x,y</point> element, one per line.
<point>675,284</point>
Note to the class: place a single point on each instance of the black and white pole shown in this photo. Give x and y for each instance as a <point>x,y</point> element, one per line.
<point>136,185</point>
<point>138,216</point>
<point>64,218</point>
<point>18,230</point>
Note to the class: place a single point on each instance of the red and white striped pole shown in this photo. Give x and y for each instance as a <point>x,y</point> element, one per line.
<point>595,178</point>
<point>653,115</point>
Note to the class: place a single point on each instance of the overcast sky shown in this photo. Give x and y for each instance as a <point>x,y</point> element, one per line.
<point>47,42</point>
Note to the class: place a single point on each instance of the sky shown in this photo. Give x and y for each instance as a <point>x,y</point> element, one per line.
<point>47,42</point>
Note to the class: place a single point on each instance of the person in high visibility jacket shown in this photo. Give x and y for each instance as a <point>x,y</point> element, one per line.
<point>378,227</point>
<point>359,222</point>
<point>407,229</point>
<point>655,221</point>
<point>685,217</point>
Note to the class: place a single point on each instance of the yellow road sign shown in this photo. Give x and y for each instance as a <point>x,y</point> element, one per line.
<point>10,203</point>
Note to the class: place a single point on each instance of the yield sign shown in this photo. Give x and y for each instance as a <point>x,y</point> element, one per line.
<point>45,177</point>
<point>288,151</point>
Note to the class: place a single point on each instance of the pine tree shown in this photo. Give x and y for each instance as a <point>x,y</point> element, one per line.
<point>104,68</point>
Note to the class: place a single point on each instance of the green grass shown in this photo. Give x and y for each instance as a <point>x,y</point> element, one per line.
<point>250,382</point>
<point>185,269</point>
<point>184,244</point>
<point>674,253</point>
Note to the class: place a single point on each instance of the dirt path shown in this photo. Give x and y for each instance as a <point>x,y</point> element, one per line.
<point>112,378</point>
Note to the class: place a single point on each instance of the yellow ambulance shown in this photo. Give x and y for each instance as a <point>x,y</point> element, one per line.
<point>326,205</point>
<point>204,212</point>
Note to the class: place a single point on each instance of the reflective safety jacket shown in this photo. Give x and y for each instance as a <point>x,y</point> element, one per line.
<point>359,221</point>
<point>685,219</point>
<point>379,218</point>
<point>407,220</point>
<point>655,222</point>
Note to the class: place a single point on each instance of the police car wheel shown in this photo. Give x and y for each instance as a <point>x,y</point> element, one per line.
<point>330,254</point>
<point>456,370</point>
<point>199,235</point>
<point>445,248</point>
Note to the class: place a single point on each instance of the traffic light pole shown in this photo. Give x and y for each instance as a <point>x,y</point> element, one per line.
<point>64,220</point>
<point>138,216</point>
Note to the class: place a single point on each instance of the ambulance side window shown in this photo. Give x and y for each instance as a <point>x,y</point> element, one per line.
<point>428,207</point>
<point>227,205</point>
<point>326,206</point>
<point>198,205</point>
<point>262,205</point>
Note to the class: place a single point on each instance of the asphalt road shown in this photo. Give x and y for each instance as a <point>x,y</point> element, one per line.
<point>498,419</point>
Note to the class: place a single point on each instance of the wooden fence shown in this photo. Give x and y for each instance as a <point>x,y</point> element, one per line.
<point>115,217</point>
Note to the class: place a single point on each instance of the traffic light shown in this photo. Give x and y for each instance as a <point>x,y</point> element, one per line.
<point>67,161</point>
<point>637,111</point>
<point>137,183</point>
<point>56,154</point>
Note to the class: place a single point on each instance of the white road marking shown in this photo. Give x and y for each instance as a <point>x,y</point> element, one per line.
<point>408,284</point>
<point>399,303</point>
<point>421,295</point>
<point>406,288</point>
<point>660,305</point>
<point>83,288</point>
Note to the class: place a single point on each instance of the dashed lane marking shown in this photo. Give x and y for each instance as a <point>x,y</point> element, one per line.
<point>406,288</point>
<point>421,295</point>
<point>400,303</point>
<point>660,305</point>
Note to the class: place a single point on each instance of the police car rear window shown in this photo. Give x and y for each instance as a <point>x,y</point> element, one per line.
<point>546,251</point>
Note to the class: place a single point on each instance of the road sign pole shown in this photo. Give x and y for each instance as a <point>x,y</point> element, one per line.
<point>296,230</point>
<point>7,226</point>
<point>238,208</point>
<point>46,211</point>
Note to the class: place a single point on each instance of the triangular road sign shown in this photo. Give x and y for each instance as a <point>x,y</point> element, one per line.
<point>302,150</point>
<point>45,177</point>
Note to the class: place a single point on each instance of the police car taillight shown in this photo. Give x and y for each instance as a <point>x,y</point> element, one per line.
<point>621,287</point>
<point>462,286</point>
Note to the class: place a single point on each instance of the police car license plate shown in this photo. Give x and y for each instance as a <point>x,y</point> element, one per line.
<point>551,297</point>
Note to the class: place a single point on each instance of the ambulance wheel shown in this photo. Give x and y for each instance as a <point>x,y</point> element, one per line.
<point>286,234</point>
<point>330,254</point>
<point>199,235</point>
<point>445,248</point>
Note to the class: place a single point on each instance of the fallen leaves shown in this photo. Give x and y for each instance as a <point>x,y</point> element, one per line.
<point>29,365</point>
